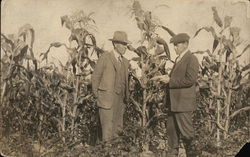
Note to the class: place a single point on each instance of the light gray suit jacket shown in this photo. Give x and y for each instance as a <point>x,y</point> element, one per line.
<point>104,77</point>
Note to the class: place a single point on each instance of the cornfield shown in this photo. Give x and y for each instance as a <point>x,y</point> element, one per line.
<point>49,110</point>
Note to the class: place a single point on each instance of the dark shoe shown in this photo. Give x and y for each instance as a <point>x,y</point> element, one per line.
<point>191,148</point>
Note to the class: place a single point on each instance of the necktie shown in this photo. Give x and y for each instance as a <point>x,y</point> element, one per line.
<point>120,60</point>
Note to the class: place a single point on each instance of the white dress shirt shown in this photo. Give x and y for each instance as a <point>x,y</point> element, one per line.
<point>181,55</point>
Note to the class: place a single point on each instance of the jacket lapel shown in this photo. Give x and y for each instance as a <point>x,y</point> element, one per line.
<point>126,64</point>
<point>113,59</point>
<point>179,63</point>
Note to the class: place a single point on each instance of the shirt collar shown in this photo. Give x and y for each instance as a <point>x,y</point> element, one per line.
<point>117,55</point>
<point>182,54</point>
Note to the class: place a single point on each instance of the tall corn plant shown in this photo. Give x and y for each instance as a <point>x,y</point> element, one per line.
<point>17,49</point>
<point>147,93</point>
<point>27,91</point>
<point>78,67</point>
<point>222,73</point>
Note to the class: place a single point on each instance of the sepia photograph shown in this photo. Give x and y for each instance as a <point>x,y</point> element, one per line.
<point>125,78</point>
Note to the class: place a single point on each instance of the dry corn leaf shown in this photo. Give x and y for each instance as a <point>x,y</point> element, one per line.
<point>217,19</point>
<point>227,21</point>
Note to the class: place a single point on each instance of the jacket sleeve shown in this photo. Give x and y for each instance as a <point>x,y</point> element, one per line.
<point>97,74</point>
<point>190,77</point>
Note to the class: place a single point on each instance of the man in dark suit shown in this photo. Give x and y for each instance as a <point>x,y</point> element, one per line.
<point>110,86</point>
<point>182,95</point>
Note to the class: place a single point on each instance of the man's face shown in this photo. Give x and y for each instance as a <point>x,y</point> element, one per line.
<point>120,48</point>
<point>180,47</point>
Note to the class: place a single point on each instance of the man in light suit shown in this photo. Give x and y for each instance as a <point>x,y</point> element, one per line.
<point>110,86</point>
<point>182,96</point>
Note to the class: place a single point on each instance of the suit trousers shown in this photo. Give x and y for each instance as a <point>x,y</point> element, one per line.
<point>179,124</point>
<point>112,119</point>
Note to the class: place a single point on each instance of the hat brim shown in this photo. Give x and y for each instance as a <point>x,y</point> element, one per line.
<point>180,41</point>
<point>180,38</point>
<point>122,42</point>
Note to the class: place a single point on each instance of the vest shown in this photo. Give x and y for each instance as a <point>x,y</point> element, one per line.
<point>120,80</point>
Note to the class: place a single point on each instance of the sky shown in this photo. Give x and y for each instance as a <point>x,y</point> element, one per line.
<point>111,15</point>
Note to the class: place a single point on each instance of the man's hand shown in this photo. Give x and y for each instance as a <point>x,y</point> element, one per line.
<point>95,94</point>
<point>164,79</point>
<point>161,78</point>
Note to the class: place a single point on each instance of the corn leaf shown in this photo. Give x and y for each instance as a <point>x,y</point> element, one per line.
<point>208,29</point>
<point>24,30</point>
<point>7,40</point>
<point>22,51</point>
<point>245,49</point>
<point>235,33</point>
<point>246,67</point>
<point>217,19</point>
<point>227,21</point>
<point>170,32</point>
<point>56,44</point>
<point>136,59</point>
<point>131,48</point>
<point>215,44</point>
<point>159,50</point>
<point>65,20</point>
<point>161,77</point>
<point>141,50</point>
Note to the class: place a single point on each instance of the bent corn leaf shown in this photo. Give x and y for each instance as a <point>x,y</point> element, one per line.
<point>23,31</point>
<point>170,32</point>
<point>208,29</point>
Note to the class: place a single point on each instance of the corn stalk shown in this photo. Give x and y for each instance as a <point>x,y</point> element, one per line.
<point>224,72</point>
<point>79,25</point>
<point>151,65</point>
<point>218,100</point>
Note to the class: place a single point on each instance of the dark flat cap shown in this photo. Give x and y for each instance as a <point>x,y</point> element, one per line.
<point>179,38</point>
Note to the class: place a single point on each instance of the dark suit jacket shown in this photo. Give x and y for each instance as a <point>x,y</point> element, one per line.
<point>104,84</point>
<point>182,84</point>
